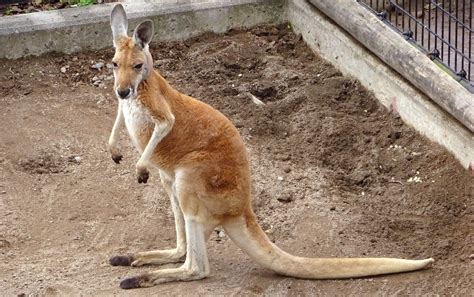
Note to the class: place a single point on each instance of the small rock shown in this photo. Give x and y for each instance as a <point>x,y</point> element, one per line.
<point>77,159</point>
<point>109,65</point>
<point>95,78</point>
<point>294,76</point>
<point>254,99</point>
<point>332,208</point>
<point>395,135</point>
<point>373,240</point>
<point>285,198</point>
<point>4,243</point>
<point>98,65</point>
<point>221,234</point>
<point>283,157</point>
<point>100,101</point>
<point>63,69</point>
<point>74,59</point>
<point>287,169</point>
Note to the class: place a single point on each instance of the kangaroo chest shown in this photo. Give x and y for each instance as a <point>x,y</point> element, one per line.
<point>138,122</point>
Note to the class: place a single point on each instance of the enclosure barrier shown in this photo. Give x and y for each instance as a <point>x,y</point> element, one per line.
<point>442,28</point>
<point>408,61</point>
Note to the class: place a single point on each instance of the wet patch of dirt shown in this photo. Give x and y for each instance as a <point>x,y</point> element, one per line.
<point>335,174</point>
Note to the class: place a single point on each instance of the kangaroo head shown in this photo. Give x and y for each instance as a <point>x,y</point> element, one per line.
<point>132,60</point>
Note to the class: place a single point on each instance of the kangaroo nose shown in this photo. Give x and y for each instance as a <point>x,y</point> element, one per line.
<point>123,93</point>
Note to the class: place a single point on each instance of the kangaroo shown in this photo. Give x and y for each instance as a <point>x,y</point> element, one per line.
<point>204,168</point>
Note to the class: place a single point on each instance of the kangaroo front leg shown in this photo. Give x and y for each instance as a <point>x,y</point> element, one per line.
<point>114,136</point>
<point>195,267</point>
<point>162,128</point>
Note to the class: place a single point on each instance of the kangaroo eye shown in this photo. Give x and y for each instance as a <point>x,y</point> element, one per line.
<point>114,64</point>
<point>138,66</point>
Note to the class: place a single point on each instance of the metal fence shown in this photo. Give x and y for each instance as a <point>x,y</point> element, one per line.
<point>443,28</point>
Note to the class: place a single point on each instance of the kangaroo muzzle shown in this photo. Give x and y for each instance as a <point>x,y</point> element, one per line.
<point>124,93</point>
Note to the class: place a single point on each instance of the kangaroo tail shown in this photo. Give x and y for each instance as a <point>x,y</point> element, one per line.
<point>248,235</point>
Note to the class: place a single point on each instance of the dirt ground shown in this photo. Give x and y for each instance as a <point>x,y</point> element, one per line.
<point>335,175</point>
<point>43,5</point>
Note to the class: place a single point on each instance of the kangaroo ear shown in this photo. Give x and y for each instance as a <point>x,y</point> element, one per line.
<point>143,33</point>
<point>118,23</point>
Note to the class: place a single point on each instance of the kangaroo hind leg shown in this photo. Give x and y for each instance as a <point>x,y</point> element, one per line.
<point>195,267</point>
<point>158,257</point>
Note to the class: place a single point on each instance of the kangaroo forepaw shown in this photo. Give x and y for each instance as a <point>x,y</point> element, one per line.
<point>121,261</point>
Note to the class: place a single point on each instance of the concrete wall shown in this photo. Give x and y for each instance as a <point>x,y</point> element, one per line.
<point>79,29</point>
<point>392,90</point>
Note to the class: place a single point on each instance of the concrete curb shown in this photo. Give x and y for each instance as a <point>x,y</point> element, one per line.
<point>80,29</point>
<point>391,89</point>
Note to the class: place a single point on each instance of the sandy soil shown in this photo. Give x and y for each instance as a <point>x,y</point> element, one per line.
<point>333,175</point>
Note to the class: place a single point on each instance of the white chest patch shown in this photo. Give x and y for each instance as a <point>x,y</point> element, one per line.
<point>136,118</point>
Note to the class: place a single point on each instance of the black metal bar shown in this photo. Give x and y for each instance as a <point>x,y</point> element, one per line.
<point>423,26</point>
<point>416,21</point>
<point>409,20</point>
<point>454,17</point>
<point>429,25</point>
<point>436,27</point>
<point>442,32</point>
<point>451,29</point>
<point>456,40</point>
<point>450,46</point>
<point>449,36</point>
<point>470,41</point>
<point>396,15</point>
<point>462,34</point>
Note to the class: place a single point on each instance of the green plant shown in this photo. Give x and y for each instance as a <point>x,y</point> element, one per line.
<point>87,2</point>
<point>79,2</point>
<point>8,11</point>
